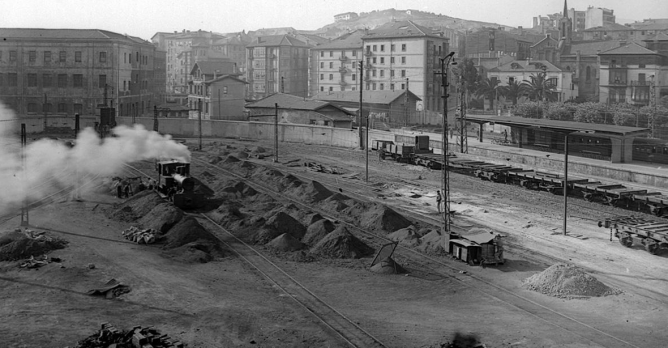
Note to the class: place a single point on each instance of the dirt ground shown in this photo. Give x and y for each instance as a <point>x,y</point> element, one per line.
<point>225,303</point>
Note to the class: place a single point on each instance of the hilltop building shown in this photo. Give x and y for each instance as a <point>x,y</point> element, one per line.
<point>277,64</point>
<point>403,55</point>
<point>68,71</point>
<point>345,16</point>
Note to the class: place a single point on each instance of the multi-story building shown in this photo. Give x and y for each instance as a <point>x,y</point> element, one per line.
<point>404,55</point>
<point>68,71</point>
<point>635,74</point>
<point>277,64</point>
<point>578,18</point>
<point>598,17</point>
<point>214,94</point>
<point>233,47</point>
<point>496,42</point>
<point>345,16</point>
<point>518,71</point>
<point>335,65</point>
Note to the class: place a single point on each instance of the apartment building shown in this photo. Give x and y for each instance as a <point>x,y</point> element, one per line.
<point>277,63</point>
<point>215,95</point>
<point>67,71</point>
<point>403,55</point>
<point>335,65</point>
<point>598,17</point>
<point>233,47</point>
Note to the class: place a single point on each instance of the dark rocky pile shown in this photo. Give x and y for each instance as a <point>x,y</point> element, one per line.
<point>341,244</point>
<point>17,245</point>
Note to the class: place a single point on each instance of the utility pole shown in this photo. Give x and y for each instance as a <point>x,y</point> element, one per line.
<point>76,125</point>
<point>44,109</point>
<point>25,215</point>
<point>199,104</point>
<point>445,63</point>
<point>276,132</point>
<point>155,118</point>
<point>406,104</point>
<point>359,112</point>
<point>463,143</point>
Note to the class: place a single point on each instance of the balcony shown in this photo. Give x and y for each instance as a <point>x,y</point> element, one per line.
<point>640,83</point>
<point>343,70</point>
<point>343,58</point>
<point>617,82</point>
<point>368,53</point>
<point>368,66</point>
<point>343,83</point>
<point>367,78</point>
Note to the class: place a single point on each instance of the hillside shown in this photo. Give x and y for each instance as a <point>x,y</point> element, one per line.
<point>374,19</point>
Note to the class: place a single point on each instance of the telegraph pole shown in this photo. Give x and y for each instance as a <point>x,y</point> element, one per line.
<point>155,118</point>
<point>406,104</point>
<point>199,104</point>
<point>463,143</point>
<point>276,132</point>
<point>445,63</point>
<point>44,112</point>
<point>359,113</point>
<point>25,215</point>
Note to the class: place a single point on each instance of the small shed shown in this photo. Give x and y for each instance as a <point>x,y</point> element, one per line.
<point>477,246</point>
<point>299,110</point>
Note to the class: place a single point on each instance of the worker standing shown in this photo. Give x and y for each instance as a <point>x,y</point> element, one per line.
<point>439,200</point>
<point>381,154</point>
<point>119,190</point>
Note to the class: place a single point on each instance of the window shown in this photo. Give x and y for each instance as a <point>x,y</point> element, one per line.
<point>354,65</point>
<point>136,56</point>
<point>331,77</point>
<point>382,73</point>
<point>103,81</point>
<point>403,60</point>
<point>588,74</point>
<point>382,48</point>
<point>368,61</point>
<point>353,76</point>
<point>78,108</point>
<point>403,47</point>
<point>46,107</point>
<point>403,86</point>
<point>382,86</point>
<point>62,80</point>
<point>322,89</point>
<point>331,65</point>
<point>403,73</point>
<point>322,65</point>
<point>331,89</point>
<point>125,57</point>
<point>124,88</point>
<point>46,80</point>
<point>77,81</point>
<point>391,60</point>
<point>322,76</point>
<point>391,73</point>
<point>32,56</point>
<point>374,86</point>
<point>77,56</point>
<point>331,53</point>
<point>354,53</point>
<point>62,108</point>
<point>373,73</point>
<point>32,80</point>
<point>322,53</point>
<point>368,49</point>
<point>641,65</point>
<point>382,60</point>
<point>224,89</point>
<point>12,80</point>
<point>375,48</point>
<point>392,47</point>
<point>62,56</point>
<point>32,108</point>
<point>47,56</point>
<point>12,56</point>
<point>374,60</point>
<point>392,86</point>
<point>368,86</point>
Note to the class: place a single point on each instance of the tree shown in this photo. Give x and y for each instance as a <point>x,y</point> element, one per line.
<point>540,87</point>
<point>529,109</point>
<point>589,112</point>
<point>560,111</point>
<point>488,89</point>
<point>513,91</point>
<point>623,114</point>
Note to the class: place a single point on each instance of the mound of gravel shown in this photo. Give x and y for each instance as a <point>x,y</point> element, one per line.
<point>406,236</point>
<point>281,222</point>
<point>431,242</point>
<point>244,189</point>
<point>136,206</point>
<point>566,280</point>
<point>317,231</point>
<point>312,218</point>
<point>285,243</point>
<point>382,218</point>
<point>314,192</point>
<point>17,246</point>
<point>162,217</point>
<point>341,244</point>
<point>248,165</point>
<point>214,159</point>
<point>231,159</point>
<point>258,149</point>
<point>387,266</point>
<point>201,251</point>
<point>240,155</point>
<point>188,230</point>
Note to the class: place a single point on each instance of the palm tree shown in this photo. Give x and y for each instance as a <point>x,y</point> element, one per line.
<point>540,87</point>
<point>488,89</point>
<point>514,90</point>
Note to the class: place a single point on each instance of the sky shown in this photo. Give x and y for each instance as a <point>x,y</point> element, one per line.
<point>143,18</point>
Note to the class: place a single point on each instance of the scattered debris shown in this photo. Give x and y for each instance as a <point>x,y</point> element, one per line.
<point>139,236</point>
<point>37,262</point>
<point>18,245</point>
<point>113,288</point>
<point>317,167</point>
<point>109,336</point>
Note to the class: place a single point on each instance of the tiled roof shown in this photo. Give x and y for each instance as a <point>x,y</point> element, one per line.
<point>288,101</point>
<point>399,29</point>
<point>346,41</point>
<point>233,77</point>
<point>589,48</point>
<point>371,97</point>
<point>524,66</point>
<point>277,40</point>
<point>212,67</point>
<point>632,48</point>
<point>658,37</point>
<point>60,34</point>
<point>611,27</point>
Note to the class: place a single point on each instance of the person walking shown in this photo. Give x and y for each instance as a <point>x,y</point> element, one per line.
<point>439,200</point>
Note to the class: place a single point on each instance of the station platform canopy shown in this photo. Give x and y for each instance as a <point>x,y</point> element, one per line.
<point>559,126</point>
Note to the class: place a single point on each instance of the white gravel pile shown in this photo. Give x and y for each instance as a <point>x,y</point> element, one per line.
<point>567,281</point>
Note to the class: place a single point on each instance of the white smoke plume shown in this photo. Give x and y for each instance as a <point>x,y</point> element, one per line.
<point>51,165</point>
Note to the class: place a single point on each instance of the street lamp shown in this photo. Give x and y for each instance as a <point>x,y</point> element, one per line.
<point>445,63</point>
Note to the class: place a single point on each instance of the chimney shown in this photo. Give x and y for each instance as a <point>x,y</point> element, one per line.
<point>259,39</point>
<point>521,30</point>
<point>622,43</point>
<point>547,35</point>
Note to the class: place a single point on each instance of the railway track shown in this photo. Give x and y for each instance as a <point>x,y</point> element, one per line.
<point>508,297</point>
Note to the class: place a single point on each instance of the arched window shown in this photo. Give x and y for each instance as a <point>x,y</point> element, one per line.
<point>588,74</point>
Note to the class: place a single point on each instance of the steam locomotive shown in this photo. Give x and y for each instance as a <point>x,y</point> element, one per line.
<point>176,184</point>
